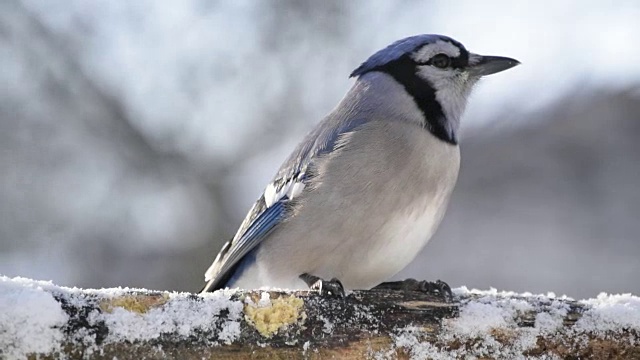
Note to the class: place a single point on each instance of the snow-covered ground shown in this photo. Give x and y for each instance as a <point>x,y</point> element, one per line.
<point>33,319</point>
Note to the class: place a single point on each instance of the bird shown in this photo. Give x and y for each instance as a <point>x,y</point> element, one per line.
<point>366,189</point>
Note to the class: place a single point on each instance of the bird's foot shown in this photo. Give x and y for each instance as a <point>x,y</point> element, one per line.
<point>329,288</point>
<point>437,288</point>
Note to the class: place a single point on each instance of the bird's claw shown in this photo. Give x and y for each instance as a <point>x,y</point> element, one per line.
<point>329,288</point>
<point>437,288</point>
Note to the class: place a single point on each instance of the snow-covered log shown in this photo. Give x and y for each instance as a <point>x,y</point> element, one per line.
<point>39,319</point>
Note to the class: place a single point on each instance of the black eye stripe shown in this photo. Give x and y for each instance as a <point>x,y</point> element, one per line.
<point>457,62</point>
<point>460,61</point>
<point>403,70</point>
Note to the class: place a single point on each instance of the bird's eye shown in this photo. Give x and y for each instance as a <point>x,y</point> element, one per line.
<point>441,61</point>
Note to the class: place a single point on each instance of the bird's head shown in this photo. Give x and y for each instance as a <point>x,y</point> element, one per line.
<point>439,73</point>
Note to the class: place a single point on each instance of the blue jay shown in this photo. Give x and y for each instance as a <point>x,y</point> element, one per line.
<point>366,189</point>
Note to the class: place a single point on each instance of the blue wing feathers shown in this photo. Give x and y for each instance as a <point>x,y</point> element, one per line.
<point>255,233</point>
<point>263,224</point>
<point>261,220</point>
<point>247,245</point>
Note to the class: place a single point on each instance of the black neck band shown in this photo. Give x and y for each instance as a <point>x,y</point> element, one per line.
<point>403,70</point>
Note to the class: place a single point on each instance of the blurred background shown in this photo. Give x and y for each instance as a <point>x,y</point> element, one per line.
<point>135,135</point>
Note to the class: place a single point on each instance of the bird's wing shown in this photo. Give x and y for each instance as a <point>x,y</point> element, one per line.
<point>273,206</point>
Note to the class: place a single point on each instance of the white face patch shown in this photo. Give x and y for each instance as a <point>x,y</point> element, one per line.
<point>452,89</point>
<point>439,47</point>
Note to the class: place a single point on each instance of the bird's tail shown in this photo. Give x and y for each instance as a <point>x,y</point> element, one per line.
<point>208,287</point>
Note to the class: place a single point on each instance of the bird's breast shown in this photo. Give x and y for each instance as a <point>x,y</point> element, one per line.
<point>392,192</point>
<point>399,241</point>
<point>370,208</point>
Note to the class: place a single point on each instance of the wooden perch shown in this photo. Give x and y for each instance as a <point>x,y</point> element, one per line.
<point>126,324</point>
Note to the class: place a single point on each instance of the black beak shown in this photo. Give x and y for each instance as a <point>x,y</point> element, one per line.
<point>486,65</point>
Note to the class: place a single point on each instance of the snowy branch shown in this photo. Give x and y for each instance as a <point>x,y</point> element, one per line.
<point>41,319</point>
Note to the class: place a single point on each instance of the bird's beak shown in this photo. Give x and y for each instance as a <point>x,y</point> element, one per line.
<point>480,65</point>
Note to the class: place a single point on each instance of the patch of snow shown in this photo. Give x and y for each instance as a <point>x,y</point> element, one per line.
<point>30,318</point>
<point>32,321</point>
<point>180,315</point>
<point>489,322</point>
<point>610,313</point>
<point>265,300</point>
<point>477,319</point>
<point>410,339</point>
<point>551,321</point>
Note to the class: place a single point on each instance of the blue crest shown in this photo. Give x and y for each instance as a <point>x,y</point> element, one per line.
<point>397,50</point>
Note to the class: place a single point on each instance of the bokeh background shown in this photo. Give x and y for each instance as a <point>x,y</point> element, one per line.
<point>134,135</point>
